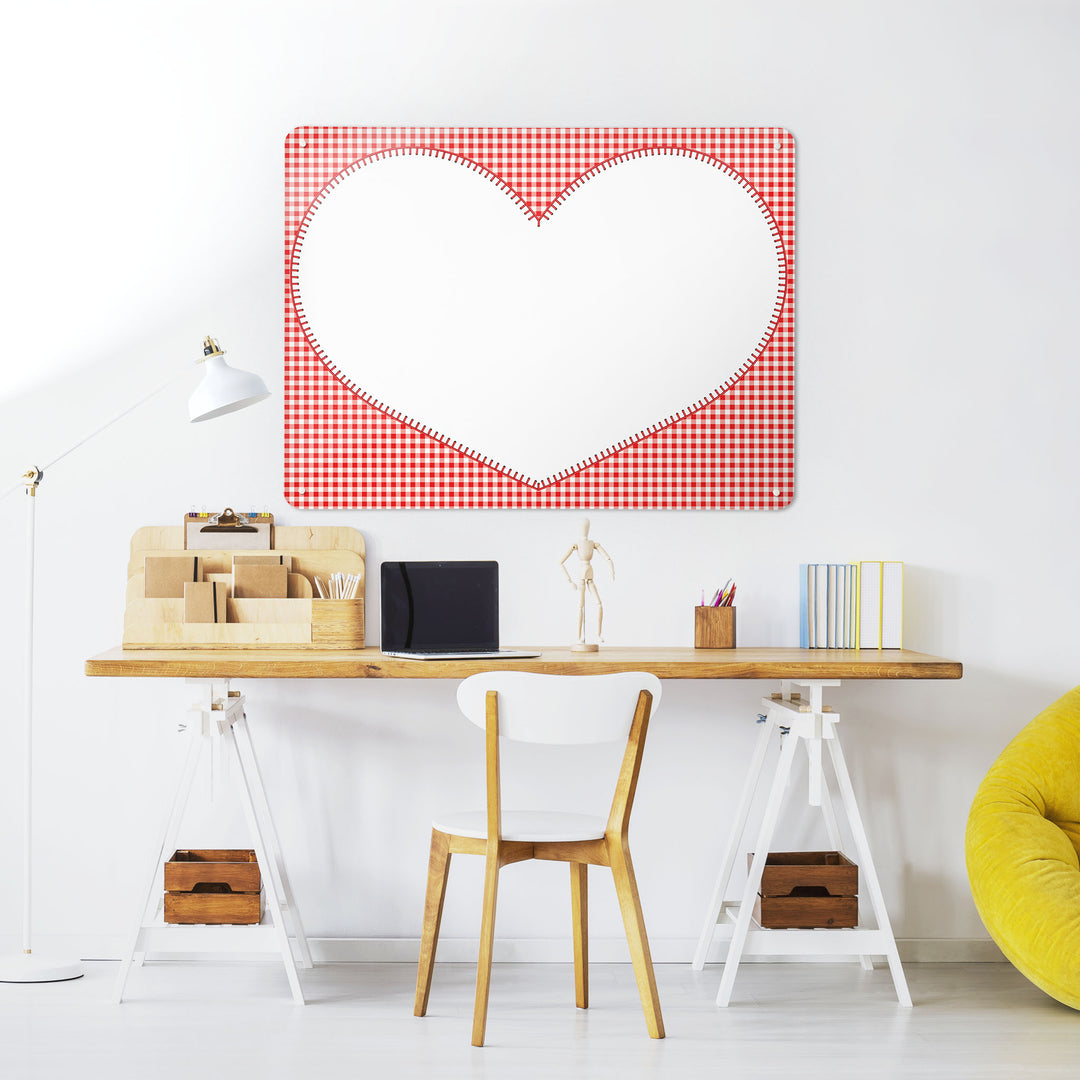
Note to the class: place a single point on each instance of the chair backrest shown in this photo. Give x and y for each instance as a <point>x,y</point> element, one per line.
<point>564,710</point>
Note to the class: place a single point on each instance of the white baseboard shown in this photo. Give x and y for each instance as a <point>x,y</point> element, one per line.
<point>615,951</point>
<point>527,950</point>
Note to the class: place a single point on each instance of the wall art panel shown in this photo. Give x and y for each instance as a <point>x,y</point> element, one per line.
<point>539,317</point>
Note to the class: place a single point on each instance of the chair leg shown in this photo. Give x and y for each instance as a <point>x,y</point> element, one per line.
<point>487,943</point>
<point>579,904</point>
<point>634,922</point>
<point>438,871</point>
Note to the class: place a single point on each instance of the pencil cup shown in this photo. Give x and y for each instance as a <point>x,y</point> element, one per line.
<point>714,628</point>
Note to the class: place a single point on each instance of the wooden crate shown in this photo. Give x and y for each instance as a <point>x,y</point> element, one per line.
<point>214,886</point>
<point>807,890</point>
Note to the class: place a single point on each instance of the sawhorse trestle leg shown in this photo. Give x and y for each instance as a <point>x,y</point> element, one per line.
<point>220,716</point>
<point>794,721</point>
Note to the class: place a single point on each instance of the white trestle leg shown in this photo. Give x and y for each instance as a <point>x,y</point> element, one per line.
<point>245,750</point>
<point>221,716</point>
<point>727,863</point>
<point>795,720</point>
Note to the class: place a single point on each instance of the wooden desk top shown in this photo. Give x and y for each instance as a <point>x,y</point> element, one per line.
<point>666,663</point>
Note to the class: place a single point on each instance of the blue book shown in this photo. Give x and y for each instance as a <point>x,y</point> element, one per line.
<point>804,606</point>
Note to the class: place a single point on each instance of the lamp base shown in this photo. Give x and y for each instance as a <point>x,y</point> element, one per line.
<point>28,968</point>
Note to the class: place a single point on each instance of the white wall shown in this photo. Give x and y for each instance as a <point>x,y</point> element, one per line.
<point>936,419</point>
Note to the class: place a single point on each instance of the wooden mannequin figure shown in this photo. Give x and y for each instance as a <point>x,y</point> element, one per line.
<point>584,547</point>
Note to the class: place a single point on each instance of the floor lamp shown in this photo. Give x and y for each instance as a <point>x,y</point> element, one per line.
<point>223,389</point>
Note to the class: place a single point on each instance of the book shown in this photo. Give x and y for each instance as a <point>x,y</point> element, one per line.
<point>832,570</point>
<point>892,605</point>
<point>851,605</point>
<point>869,605</point>
<point>804,605</point>
<point>826,605</point>
<point>841,612</point>
<point>821,616</point>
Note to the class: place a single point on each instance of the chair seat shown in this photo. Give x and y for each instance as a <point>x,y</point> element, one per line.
<point>528,826</point>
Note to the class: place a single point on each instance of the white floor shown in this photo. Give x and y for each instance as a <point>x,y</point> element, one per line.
<point>793,1020</point>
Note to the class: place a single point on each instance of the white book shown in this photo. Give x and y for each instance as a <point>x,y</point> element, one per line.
<point>833,594</point>
<point>853,606</point>
<point>869,605</point>
<point>841,606</point>
<point>892,605</point>
<point>804,606</point>
<point>821,626</point>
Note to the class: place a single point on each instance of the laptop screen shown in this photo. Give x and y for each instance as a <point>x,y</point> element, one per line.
<point>440,606</point>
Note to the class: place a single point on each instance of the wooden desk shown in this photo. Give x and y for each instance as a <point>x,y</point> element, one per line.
<point>665,663</point>
<point>796,719</point>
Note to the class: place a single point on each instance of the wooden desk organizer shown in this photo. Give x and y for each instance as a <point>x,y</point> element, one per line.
<point>301,621</point>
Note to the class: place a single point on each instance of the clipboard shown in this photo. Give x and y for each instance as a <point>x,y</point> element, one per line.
<point>229,531</point>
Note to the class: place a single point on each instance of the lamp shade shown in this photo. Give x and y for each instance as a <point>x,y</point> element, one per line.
<point>223,389</point>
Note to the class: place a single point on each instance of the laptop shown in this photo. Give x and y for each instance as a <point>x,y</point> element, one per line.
<point>442,611</point>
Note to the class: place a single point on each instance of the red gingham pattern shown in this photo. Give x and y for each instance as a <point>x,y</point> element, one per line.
<point>736,451</point>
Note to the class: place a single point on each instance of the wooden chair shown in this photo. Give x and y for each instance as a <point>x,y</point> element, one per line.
<point>564,710</point>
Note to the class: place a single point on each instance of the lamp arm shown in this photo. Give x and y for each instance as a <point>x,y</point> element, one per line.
<point>119,416</point>
<point>26,480</point>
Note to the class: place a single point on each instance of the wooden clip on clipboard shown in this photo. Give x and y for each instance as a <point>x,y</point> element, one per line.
<point>250,532</point>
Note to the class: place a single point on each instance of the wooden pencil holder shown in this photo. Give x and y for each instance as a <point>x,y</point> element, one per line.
<point>714,627</point>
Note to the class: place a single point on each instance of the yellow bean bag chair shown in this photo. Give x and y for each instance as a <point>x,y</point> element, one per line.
<point>1023,840</point>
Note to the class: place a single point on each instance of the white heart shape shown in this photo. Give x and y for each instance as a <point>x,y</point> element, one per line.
<point>648,290</point>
